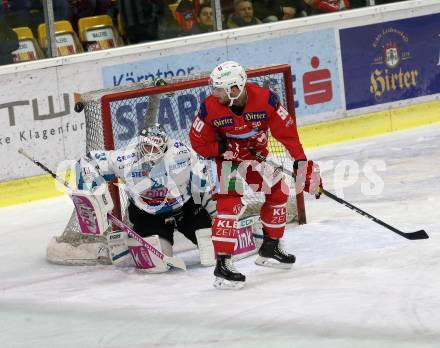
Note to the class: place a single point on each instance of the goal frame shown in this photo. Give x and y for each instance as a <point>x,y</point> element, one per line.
<point>108,135</point>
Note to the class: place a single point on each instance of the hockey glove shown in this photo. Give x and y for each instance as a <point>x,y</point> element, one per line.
<point>308,176</point>
<point>233,151</point>
<point>258,142</point>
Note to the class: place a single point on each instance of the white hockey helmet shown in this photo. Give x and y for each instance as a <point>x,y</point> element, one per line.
<point>152,142</point>
<point>227,75</point>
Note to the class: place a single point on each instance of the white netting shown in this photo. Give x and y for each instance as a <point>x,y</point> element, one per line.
<point>114,116</point>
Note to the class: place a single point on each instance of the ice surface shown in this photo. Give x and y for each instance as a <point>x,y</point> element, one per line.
<point>355,284</point>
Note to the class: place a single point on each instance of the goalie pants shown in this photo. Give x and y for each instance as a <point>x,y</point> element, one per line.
<point>187,220</point>
<point>230,207</point>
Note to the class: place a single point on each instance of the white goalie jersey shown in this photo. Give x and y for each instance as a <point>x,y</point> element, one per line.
<point>156,188</point>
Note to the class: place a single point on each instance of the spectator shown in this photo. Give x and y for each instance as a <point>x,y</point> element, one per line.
<point>383,2</point>
<point>227,7</point>
<point>243,15</point>
<point>8,42</point>
<point>77,9</point>
<point>205,21</point>
<point>61,10</point>
<point>272,11</point>
<point>358,3</point>
<point>81,8</point>
<point>186,13</point>
<point>326,6</point>
<point>147,20</point>
<point>24,13</point>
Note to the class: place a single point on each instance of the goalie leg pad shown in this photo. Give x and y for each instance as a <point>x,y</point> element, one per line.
<point>146,261</point>
<point>84,254</point>
<point>249,239</point>
<point>206,248</point>
<point>118,248</point>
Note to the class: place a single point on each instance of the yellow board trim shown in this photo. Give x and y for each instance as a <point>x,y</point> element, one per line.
<point>345,129</point>
<point>369,125</point>
<point>27,190</point>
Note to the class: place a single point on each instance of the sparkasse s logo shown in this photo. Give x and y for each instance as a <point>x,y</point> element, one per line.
<point>317,84</point>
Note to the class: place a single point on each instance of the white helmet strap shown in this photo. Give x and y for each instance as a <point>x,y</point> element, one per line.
<point>231,98</point>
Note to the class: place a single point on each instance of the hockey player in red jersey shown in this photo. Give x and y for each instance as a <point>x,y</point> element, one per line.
<point>232,126</point>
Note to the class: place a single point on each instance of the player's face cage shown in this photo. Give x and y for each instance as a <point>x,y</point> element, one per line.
<point>153,143</point>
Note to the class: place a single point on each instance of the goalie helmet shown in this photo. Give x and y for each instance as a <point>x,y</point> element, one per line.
<point>227,75</point>
<point>152,142</point>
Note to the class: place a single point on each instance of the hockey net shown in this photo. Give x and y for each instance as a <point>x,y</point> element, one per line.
<point>115,116</point>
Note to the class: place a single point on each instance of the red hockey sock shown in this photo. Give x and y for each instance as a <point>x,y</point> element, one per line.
<point>273,218</point>
<point>224,234</point>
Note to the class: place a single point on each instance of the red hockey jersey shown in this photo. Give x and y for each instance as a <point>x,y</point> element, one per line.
<point>263,112</point>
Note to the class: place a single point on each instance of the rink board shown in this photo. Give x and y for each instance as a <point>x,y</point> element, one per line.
<point>320,134</point>
<point>338,95</point>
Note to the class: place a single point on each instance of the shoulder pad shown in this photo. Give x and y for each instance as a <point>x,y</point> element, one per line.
<point>178,148</point>
<point>123,156</point>
<point>97,155</point>
<point>273,99</point>
<point>181,147</point>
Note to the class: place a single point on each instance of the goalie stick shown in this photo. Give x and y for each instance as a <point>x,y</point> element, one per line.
<point>171,261</point>
<point>421,234</point>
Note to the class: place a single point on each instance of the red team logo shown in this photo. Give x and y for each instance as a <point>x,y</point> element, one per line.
<point>237,209</point>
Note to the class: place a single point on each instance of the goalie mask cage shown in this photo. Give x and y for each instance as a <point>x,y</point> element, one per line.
<point>115,116</point>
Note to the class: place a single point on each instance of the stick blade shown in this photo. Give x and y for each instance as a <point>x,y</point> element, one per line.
<point>416,235</point>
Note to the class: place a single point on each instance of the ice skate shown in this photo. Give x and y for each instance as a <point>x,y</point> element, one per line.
<point>227,277</point>
<point>272,255</point>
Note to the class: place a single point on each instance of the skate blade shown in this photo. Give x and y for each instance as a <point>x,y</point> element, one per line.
<point>224,284</point>
<point>267,262</point>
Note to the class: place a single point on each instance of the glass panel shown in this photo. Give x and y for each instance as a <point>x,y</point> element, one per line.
<point>91,25</point>
<point>244,13</point>
<point>240,13</point>
<point>96,23</point>
<point>19,22</point>
<point>157,20</point>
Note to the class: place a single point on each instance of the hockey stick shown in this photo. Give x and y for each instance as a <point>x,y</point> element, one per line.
<point>421,234</point>
<point>170,261</point>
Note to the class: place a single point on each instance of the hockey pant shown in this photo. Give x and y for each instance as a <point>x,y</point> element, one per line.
<point>230,207</point>
<point>187,220</point>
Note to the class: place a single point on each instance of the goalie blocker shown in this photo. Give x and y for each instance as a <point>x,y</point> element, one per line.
<point>92,209</point>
